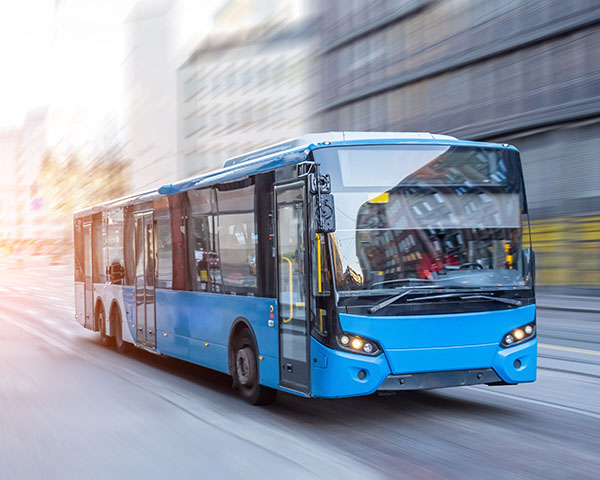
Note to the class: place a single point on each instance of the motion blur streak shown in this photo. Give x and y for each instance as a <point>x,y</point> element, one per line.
<point>124,95</point>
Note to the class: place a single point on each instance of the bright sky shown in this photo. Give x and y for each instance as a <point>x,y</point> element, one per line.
<point>63,53</point>
<point>66,53</point>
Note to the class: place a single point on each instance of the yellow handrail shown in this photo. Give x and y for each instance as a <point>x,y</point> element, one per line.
<point>291,291</point>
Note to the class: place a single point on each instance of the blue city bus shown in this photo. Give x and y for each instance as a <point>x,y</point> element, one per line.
<point>332,265</point>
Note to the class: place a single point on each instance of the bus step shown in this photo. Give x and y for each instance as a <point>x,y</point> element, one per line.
<point>148,349</point>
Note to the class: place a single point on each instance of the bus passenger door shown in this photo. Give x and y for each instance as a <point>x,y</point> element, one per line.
<point>145,273</point>
<point>88,279</point>
<point>294,332</point>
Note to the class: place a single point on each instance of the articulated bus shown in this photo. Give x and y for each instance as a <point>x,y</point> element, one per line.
<point>332,265</point>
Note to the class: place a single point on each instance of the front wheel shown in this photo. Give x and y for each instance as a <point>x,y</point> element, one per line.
<point>246,373</point>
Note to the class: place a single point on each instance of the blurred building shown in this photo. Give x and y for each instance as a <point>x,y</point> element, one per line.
<point>514,71</point>
<point>9,190</point>
<point>248,84</point>
<point>22,210</point>
<point>149,94</point>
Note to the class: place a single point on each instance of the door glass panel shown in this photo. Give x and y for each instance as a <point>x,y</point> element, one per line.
<point>150,274</point>
<point>89,296</point>
<point>145,274</point>
<point>293,319</point>
<point>140,283</point>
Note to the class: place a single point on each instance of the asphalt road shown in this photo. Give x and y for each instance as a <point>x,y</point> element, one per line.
<point>74,409</point>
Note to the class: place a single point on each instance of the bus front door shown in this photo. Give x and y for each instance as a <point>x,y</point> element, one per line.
<point>88,295</point>
<point>145,273</point>
<point>294,332</point>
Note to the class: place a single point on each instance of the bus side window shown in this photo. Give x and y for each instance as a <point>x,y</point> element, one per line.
<point>128,246</point>
<point>206,263</point>
<point>99,249</point>
<point>237,238</point>
<point>79,259</point>
<point>114,241</point>
<point>164,253</point>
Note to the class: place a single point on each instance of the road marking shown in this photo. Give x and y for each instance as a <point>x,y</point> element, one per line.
<point>38,334</point>
<point>569,349</point>
<point>587,413</point>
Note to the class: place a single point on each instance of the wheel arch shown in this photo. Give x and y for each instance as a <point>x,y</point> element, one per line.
<point>115,306</point>
<point>239,324</point>
<point>97,306</point>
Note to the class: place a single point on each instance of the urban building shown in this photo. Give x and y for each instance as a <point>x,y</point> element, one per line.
<point>515,71</point>
<point>248,84</point>
<point>159,36</point>
<point>149,95</point>
<point>9,190</point>
<point>22,210</point>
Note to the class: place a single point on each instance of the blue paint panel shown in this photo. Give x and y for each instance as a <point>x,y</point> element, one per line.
<point>432,343</point>
<point>526,353</point>
<point>340,377</point>
<point>269,371</point>
<point>214,356</point>
<point>208,318</point>
<point>437,359</point>
<point>448,330</point>
<point>173,345</point>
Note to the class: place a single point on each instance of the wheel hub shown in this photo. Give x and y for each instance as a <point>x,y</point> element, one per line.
<point>243,366</point>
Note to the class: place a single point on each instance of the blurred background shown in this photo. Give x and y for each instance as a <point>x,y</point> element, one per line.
<point>103,98</point>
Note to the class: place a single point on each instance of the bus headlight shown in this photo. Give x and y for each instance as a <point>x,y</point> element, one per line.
<point>518,335</point>
<point>356,344</point>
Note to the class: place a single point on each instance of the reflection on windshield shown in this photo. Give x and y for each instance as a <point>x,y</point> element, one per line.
<point>452,218</point>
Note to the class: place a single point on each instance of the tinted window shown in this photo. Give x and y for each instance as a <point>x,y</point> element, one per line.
<point>237,239</point>
<point>164,253</point>
<point>206,269</point>
<point>114,241</point>
<point>79,259</point>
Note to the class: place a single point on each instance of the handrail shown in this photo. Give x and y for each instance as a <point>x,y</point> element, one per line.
<point>289,319</point>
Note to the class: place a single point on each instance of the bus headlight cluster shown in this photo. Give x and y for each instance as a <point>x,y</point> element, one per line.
<point>356,344</point>
<point>519,335</point>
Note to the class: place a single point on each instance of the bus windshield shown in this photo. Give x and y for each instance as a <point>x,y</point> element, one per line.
<point>435,215</point>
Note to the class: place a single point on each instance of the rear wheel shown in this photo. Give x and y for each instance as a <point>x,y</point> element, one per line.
<point>105,340</point>
<point>122,345</point>
<point>246,372</point>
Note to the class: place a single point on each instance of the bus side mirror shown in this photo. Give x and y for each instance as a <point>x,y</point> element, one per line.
<point>529,262</point>
<point>324,213</point>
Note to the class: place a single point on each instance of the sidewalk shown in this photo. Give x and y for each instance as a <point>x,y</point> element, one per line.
<point>568,303</point>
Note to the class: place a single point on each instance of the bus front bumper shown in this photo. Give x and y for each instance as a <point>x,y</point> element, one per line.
<point>424,381</point>
<point>336,373</point>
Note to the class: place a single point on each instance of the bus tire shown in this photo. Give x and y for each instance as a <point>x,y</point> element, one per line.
<point>245,369</point>
<point>122,346</point>
<point>105,340</point>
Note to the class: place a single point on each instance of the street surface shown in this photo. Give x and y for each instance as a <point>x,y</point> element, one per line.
<point>74,409</point>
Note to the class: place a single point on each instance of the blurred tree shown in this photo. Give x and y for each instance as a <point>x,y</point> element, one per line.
<point>68,183</point>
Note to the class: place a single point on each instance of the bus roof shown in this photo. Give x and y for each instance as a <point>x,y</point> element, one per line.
<point>280,154</point>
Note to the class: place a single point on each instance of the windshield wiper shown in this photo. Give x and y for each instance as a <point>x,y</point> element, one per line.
<point>462,296</point>
<point>394,298</point>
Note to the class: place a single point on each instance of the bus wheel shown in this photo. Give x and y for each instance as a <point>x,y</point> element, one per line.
<point>105,340</point>
<point>246,372</point>
<point>122,345</point>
